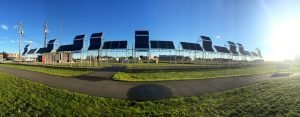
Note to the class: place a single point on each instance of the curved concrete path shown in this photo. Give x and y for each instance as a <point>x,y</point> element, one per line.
<point>99,83</point>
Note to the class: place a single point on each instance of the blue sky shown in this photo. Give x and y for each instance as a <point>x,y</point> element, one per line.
<point>250,22</point>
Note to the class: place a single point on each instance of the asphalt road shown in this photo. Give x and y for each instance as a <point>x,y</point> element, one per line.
<point>99,83</point>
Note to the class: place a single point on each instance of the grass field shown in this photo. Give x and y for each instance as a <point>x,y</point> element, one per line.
<point>68,72</point>
<point>161,75</point>
<point>20,97</point>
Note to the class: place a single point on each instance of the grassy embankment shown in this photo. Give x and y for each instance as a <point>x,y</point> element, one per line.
<point>67,72</point>
<point>20,97</point>
<point>184,74</point>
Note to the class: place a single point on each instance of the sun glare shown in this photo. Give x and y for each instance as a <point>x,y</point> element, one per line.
<point>285,40</point>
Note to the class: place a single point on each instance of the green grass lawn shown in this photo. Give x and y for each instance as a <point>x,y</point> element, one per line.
<point>20,97</point>
<point>68,72</point>
<point>161,75</point>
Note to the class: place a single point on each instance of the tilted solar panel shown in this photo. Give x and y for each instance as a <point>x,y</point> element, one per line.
<point>207,46</point>
<point>41,50</point>
<point>115,45</point>
<point>191,46</point>
<point>79,36</point>
<point>162,45</point>
<point>221,49</point>
<point>230,43</point>
<point>25,49</point>
<point>205,38</point>
<point>123,45</point>
<point>107,45</point>
<point>78,42</point>
<point>185,45</point>
<point>259,52</point>
<point>95,41</point>
<point>154,44</point>
<point>232,48</point>
<point>52,41</point>
<point>247,53</point>
<point>142,39</point>
<point>170,44</point>
<point>31,51</point>
<point>65,48</point>
<point>99,35</point>
<point>141,32</point>
<point>196,46</point>
<point>254,53</point>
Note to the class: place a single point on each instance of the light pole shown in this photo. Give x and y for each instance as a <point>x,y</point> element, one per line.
<point>20,42</point>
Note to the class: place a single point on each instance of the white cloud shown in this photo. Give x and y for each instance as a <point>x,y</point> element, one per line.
<point>28,42</point>
<point>15,27</point>
<point>24,41</point>
<point>218,37</point>
<point>12,41</point>
<point>4,27</point>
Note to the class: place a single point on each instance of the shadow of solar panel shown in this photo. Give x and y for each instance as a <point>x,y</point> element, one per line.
<point>107,45</point>
<point>65,48</point>
<point>142,39</point>
<point>221,49</point>
<point>154,44</point>
<point>95,41</point>
<point>31,51</point>
<point>123,45</point>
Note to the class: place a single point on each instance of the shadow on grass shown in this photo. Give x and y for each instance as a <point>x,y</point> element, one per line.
<point>149,92</point>
<point>281,74</point>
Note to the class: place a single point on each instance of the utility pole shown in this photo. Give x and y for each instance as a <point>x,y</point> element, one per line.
<point>20,42</point>
<point>46,32</point>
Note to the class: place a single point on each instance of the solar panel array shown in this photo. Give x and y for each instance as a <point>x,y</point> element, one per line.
<point>162,45</point>
<point>259,52</point>
<point>78,42</point>
<point>241,49</point>
<point>221,49</point>
<point>65,48</point>
<point>48,49</point>
<point>190,46</point>
<point>115,45</point>
<point>254,53</point>
<point>141,39</point>
<point>207,44</point>
<point>25,49</point>
<point>31,51</point>
<point>95,41</point>
<point>232,48</point>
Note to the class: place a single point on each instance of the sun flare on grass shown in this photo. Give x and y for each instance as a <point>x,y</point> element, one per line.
<point>285,39</point>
